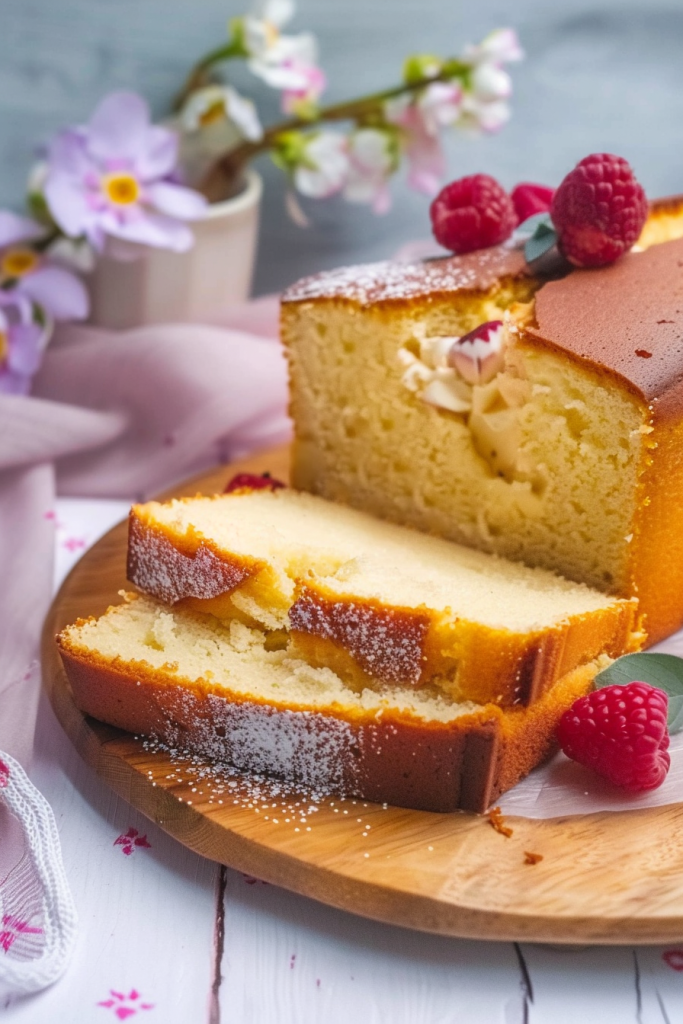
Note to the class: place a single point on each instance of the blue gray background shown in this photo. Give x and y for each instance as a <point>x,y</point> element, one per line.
<point>606,75</point>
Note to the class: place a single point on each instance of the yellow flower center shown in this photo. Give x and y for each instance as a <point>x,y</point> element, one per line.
<point>215,112</point>
<point>4,347</point>
<point>121,188</point>
<point>18,263</point>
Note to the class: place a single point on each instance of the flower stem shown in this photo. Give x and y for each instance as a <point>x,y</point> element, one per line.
<point>228,168</point>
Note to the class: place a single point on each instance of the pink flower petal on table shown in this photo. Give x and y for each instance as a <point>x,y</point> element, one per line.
<point>74,543</point>
<point>58,291</point>
<point>674,958</point>
<point>160,156</point>
<point>176,200</point>
<point>124,1012</point>
<point>14,228</point>
<point>117,130</point>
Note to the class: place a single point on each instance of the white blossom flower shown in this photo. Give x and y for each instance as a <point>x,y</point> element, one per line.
<point>276,58</point>
<point>489,117</point>
<point>501,46</point>
<point>439,105</point>
<point>323,166</point>
<point>372,160</point>
<point>490,82</point>
<point>216,102</point>
<point>484,104</point>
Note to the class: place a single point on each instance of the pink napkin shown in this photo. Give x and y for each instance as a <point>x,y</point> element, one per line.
<point>113,414</point>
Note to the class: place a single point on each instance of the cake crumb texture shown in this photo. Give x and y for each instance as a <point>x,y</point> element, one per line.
<point>195,683</point>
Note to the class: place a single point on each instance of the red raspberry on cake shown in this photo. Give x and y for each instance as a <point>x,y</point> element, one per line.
<point>598,211</point>
<point>472,213</point>
<point>620,732</point>
<point>253,482</point>
<point>529,199</point>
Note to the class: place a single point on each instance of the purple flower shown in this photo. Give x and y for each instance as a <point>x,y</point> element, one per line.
<point>28,273</point>
<point>110,177</point>
<point>22,342</point>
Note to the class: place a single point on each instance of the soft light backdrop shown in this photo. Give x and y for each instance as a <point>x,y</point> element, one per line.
<point>600,74</point>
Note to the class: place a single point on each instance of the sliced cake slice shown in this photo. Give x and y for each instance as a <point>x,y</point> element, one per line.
<point>218,690</point>
<point>379,604</point>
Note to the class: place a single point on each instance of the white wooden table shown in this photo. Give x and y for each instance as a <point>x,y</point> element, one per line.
<point>169,938</point>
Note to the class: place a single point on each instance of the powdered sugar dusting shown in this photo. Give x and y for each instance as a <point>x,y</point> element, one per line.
<point>387,644</point>
<point>309,748</point>
<point>215,785</point>
<point>394,282</point>
<point>158,568</point>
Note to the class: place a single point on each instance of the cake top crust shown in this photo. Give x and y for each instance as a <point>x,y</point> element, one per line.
<point>627,318</point>
<point>374,283</point>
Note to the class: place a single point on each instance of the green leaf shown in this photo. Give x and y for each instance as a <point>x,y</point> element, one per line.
<point>665,671</point>
<point>535,221</point>
<point>543,239</point>
<point>37,205</point>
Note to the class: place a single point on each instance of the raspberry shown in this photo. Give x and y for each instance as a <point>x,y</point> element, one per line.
<point>252,482</point>
<point>598,211</point>
<point>472,213</point>
<point>529,199</point>
<point>621,733</point>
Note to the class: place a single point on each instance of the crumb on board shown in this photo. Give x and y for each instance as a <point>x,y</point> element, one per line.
<point>532,858</point>
<point>496,821</point>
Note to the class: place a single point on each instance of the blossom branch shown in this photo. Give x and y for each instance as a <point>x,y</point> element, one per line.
<point>363,111</point>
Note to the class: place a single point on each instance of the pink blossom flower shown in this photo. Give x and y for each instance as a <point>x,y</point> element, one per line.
<point>111,177</point>
<point>420,121</point>
<point>501,46</point>
<point>27,272</point>
<point>22,342</point>
<point>372,159</point>
<point>305,96</point>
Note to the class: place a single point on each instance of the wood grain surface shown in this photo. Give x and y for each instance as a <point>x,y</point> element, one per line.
<point>606,878</point>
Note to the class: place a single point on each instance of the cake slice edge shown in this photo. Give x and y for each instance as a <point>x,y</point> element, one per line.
<point>387,755</point>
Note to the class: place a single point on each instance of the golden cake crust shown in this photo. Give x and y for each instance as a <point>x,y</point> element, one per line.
<point>370,643</point>
<point>401,283</point>
<point>398,759</point>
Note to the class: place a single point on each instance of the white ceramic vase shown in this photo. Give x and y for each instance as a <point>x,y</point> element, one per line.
<point>158,286</point>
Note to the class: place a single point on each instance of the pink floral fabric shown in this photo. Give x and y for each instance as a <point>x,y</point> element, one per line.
<point>111,415</point>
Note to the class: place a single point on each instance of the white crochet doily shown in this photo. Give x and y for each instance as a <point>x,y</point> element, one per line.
<point>37,912</point>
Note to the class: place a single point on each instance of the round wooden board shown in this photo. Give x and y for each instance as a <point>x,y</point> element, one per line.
<point>604,878</point>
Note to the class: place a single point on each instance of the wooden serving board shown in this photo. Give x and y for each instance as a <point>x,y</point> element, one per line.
<point>604,878</point>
